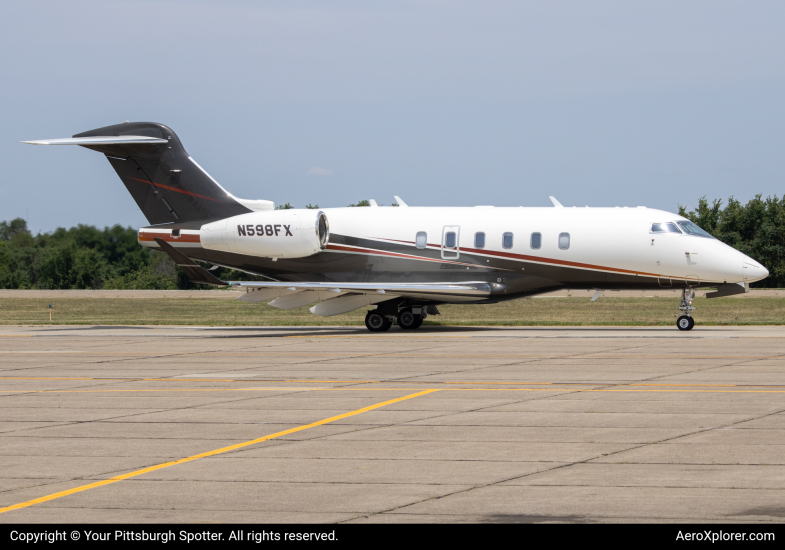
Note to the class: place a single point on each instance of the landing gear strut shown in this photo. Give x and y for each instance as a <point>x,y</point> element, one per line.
<point>685,320</point>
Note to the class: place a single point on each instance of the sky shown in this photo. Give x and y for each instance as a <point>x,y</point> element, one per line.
<point>442,102</point>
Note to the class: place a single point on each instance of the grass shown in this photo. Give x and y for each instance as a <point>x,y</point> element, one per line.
<point>542,311</point>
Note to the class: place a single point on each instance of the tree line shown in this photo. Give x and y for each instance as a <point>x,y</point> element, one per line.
<point>111,258</point>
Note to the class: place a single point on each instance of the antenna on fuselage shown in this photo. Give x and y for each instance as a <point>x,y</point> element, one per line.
<point>556,203</point>
<point>399,201</point>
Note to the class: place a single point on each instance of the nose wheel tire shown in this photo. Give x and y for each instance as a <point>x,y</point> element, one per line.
<point>408,320</point>
<point>376,322</point>
<point>685,322</point>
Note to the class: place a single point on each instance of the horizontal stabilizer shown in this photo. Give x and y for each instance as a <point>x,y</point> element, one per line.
<point>195,272</point>
<point>100,140</point>
<point>164,181</point>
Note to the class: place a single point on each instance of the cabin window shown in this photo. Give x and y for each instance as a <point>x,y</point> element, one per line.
<point>536,240</point>
<point>422,239</point>
<point>449,239</point>
<point>175,232</point>
<point>664,228</point>
<point>507,240</point>
<point>479,240</point>
<point>564,241</point>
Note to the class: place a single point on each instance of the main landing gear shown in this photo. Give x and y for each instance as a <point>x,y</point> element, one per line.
<point>685,320</point>
<point>379,320</point>
<point>408,320</point>
<point>376,322</point>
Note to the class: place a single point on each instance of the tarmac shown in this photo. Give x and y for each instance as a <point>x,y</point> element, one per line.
<point>335,424</point>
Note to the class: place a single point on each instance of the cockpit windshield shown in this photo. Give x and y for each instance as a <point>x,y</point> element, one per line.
<point>691,229</point>
<point>668,227</point>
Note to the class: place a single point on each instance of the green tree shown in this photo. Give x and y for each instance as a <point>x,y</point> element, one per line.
<point>70,267</point>
<point>286,206</point>
<point>310,206</point>
<point>363,202</point>
<point>9,229</point>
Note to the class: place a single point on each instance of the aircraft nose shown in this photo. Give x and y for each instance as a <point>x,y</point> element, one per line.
<point>753,271</point>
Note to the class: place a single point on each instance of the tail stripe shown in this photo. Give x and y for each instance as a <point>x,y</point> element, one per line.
<point>174,189</point>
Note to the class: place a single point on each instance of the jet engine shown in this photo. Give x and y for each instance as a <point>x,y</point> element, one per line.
<point>292,233</point>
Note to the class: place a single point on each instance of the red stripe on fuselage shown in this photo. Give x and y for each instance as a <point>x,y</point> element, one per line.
<point>397,255</point>
<point>161,185</point>
<point>539,259</point>
<point>184,238</point>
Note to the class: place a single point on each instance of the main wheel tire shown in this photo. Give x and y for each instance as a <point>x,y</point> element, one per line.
<point>376,322</point>
<point>408,320</point>
<point>685,322</point>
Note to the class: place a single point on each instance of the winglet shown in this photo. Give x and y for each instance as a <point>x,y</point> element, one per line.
<point>556,203</point>
<point>195,272</point>
<point>400,201</point>
<point>372,202</point>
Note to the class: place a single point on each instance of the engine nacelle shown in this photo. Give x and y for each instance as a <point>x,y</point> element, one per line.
<point>292,233</point>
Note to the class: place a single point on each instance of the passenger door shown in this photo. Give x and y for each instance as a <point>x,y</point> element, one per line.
<point>450,242</point>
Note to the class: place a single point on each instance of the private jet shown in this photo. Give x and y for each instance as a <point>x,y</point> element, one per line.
<point>404,262</point>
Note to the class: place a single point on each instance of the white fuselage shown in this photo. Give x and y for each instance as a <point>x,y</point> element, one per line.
<point>583,243</point>
<point>613,239</point>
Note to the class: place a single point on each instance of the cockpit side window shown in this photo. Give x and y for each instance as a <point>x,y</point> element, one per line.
<point>666,227</point>
<point>691,229</point>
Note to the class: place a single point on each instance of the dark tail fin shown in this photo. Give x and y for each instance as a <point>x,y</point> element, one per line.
<point>164,181</point>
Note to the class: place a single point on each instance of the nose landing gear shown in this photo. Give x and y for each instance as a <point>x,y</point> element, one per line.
<point>685,320</point>
<point>685,323</point>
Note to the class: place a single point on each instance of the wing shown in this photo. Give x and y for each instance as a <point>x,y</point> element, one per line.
<point>337,298</point>
<point>334,298</point>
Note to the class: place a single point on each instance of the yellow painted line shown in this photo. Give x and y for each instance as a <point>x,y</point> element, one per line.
<point>186,390</point>
<point>622,391</point>
<point>244,380</point>
<point>383,355</point>
<point>573,390</point>
<point>62,352</point>
<point>704,385</point>
<point>608,384</point>
<point>247,380</point>
<point>64,378</point>
<point>209,453</point>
